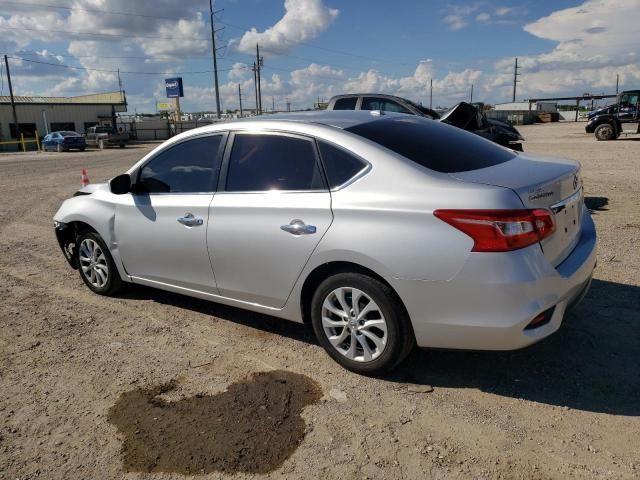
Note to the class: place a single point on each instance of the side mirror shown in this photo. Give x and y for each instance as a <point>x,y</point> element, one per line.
<point>121,184</point>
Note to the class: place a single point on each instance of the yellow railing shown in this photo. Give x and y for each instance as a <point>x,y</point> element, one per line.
<point>24,142</point>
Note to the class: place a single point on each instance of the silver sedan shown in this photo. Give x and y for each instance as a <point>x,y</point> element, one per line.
<point>382,231</point>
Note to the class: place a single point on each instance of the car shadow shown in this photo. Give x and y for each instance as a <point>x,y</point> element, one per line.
<point>258,321</point>
<point>596,204</point>
<point>590,364</point>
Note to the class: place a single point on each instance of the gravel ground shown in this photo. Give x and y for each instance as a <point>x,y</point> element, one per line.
<point>69,360</point>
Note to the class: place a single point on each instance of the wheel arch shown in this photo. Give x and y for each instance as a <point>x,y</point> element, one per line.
<point>324,271</point>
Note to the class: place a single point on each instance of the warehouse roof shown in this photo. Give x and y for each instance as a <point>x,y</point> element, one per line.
<point>107,98</point>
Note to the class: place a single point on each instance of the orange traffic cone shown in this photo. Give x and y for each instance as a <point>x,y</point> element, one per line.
<point>84,178</point>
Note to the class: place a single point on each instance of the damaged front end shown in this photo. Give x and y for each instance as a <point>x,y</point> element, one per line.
<point>468,117</point>
<point>66,235</point>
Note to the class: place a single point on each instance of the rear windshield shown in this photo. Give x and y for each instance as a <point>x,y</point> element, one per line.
<point>433,145</point>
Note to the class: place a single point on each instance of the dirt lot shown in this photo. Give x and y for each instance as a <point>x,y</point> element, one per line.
<point>94,387</point>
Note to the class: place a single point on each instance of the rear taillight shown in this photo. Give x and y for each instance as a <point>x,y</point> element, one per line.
<point>500,230</point>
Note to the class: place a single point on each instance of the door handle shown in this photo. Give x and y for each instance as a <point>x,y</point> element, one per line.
<point>189,220</point>
<point>298,227</point>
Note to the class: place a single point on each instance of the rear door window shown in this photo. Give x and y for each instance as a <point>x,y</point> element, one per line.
<point>341,166</point>
<point>345,103</point>
<point>434,145</point>
<point>263,162</point>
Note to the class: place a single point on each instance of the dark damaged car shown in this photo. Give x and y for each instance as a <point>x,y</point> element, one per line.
<point>462,115</point>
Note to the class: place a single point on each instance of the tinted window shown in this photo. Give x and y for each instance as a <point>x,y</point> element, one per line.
<point>340,165</point>
<point>370,103</point>
<point>346,103</point>
<point>434,145</point>
<point>273,162</point>
<point>188,167</point>
<point>69,134</point>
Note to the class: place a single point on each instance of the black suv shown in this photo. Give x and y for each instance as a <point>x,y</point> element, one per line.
<point>607,122</point>
<point>462,115</point>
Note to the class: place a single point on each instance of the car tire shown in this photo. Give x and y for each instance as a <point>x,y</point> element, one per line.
<point>604,132</point>
<point>101,144</point>
<point>122,145</point>
<point>371,344</point>
<point>82,149</point>
<point>59,148</point>
<point>96,266</point>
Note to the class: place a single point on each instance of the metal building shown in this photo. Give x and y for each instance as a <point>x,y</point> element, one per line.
<point>48,114</point>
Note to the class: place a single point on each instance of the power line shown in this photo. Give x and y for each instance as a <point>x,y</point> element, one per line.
<point>115,71</point>
<point>108,35</point>
<point>90,10</point>
<point>132,57</point>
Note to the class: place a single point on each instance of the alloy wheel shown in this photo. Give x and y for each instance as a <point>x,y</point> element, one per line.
<point>354,324</point>
<point>93,263</point>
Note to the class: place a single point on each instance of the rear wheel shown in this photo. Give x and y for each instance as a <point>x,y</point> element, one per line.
<point>96,266</point>
<point>360,323</point>
<point>605,132</point>
<point>122,145</point>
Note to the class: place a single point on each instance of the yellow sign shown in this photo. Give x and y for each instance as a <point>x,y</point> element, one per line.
<point>166,107</point>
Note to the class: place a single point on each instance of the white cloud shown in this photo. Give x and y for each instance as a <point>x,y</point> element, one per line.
<point>591,49</point>
<point>303,20</point>
<point>483,17</point>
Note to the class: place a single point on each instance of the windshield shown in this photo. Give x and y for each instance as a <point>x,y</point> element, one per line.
<point>433,145</point>
<point>69,134</point>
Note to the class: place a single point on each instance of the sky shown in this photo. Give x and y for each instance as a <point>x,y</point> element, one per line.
<point>314,49</point>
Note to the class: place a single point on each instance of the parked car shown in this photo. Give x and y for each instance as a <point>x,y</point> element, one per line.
<point>462,115</point>
<point>63,141</point>
<point>103,137</point>
<point>607,123</point>
<point>380,230</point>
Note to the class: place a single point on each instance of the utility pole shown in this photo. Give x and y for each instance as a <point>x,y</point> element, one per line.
<point>617,82</point>
<point>515,80</point>
<point>273,105</point>
<point>259,67</point>
<point>255,83</point>
<point>13,103</point>
<point>215,59</point>
<point>240,98</point>
<point>471,99</point>
<point>288,105</point>
<point>431,93</point>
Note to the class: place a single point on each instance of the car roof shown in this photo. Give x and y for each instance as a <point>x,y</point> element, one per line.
<point>334,118</point>
<point>378,95</point>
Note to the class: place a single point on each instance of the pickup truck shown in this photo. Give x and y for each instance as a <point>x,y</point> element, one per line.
<point>607,123</point>
<point>103,137</point>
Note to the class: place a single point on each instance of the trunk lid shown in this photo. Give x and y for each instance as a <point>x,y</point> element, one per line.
<point>542,182</point>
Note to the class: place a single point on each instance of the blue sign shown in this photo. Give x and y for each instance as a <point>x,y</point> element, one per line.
<point>174,87</point>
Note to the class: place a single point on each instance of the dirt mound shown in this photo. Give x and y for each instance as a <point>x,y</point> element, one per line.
<point>252,427</point>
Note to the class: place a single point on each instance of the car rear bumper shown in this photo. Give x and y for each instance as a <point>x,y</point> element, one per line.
<point>488,304</point>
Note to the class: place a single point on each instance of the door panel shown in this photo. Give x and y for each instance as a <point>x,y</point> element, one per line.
<point>254,259</point>
<point>154,245</point>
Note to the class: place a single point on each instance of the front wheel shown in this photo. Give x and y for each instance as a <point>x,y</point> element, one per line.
<point>361,323</point>
<point>605,132</point>
<point>96,266</point>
